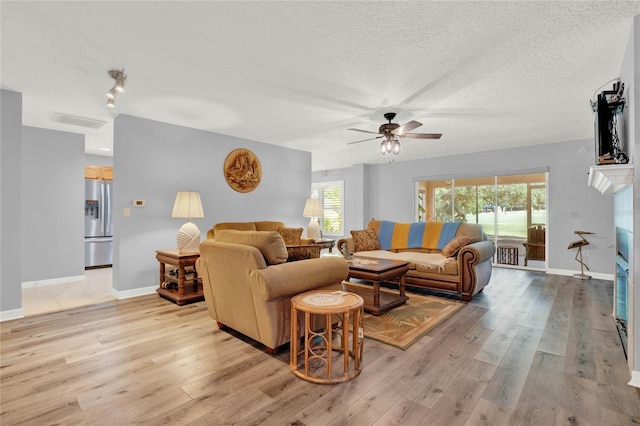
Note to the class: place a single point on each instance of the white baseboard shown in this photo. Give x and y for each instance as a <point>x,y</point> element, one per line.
<point>635,379</point>
<point>570,273</point>
<point>53,281</point>
<point>127,294</point>
<point>11,315</point>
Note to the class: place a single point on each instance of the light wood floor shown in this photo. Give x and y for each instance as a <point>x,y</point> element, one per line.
<point>531,349</point>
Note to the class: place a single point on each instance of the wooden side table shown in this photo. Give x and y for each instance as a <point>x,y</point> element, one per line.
<point>326,243</point>
<point>313,360</point>
<point>189,286</point>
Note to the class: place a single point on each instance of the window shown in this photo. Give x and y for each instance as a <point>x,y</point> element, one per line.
<point>331,195</point>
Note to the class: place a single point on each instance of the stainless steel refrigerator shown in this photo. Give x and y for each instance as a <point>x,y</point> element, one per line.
<point>98,223</point>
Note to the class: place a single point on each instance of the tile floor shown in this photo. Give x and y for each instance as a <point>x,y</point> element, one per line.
<point>95,288</point>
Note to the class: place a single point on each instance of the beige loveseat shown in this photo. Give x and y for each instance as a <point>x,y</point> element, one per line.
<point>298,247</point>
<point>248,283</point>
<point>464,270</point>
<point>264,225</point>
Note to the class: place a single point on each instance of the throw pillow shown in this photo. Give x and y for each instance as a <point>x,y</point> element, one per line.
<point>291,236</point>
<point>364,240</point>
<point>454,246</point>
<point>270,243</point>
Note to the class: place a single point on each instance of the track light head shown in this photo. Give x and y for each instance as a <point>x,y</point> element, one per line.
<point>119,76</point>
<point>111,94</point>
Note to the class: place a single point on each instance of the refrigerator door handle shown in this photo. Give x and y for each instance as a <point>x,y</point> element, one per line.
<point>102,208</point>
<point>108,209</point>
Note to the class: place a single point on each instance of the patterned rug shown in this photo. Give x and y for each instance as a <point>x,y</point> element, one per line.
<point>403,326</point>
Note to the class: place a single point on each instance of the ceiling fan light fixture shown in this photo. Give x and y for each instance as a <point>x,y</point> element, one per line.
<point>390,146</point>
<point>396,147</point>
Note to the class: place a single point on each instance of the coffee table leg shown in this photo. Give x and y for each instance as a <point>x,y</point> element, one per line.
<point>376,294</point>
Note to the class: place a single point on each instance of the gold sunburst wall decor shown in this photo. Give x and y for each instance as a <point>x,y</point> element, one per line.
<point>242,170</point>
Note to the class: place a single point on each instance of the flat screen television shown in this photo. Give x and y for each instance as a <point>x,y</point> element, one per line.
<point>604,138</point>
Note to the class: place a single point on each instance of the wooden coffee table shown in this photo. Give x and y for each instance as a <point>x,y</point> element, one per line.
<point>377,271</point>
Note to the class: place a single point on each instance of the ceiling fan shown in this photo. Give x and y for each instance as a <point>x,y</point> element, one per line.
<point>390,131</point>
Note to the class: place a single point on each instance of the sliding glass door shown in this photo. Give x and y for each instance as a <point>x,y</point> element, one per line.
<point>507,207</point>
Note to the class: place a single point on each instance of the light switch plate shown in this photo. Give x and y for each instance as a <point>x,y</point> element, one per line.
<point>138,203</point>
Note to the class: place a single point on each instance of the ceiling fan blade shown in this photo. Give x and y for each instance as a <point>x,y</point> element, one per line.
<point>364,131</point>
<point>406,127</point>
<point>421,135</point>
<point>364,140</point>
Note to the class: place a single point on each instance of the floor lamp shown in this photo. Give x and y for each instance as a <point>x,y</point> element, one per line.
<point>579,244</point>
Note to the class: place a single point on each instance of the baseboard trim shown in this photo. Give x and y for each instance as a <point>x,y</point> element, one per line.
<point>128,294</point>
<point>11,315</point>
<point>570,273</point>
<point>52,281</point>
<point>635,379</point>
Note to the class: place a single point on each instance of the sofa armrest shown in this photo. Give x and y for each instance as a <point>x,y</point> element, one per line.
<point>481,251</point>
<point>349,242</point>
<point>306,241</point>
<point>289,279</point>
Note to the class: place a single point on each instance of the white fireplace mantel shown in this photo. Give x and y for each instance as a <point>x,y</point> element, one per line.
<point>610,178</point>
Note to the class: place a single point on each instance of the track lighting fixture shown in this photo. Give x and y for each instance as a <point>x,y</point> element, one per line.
<point>119,76</point>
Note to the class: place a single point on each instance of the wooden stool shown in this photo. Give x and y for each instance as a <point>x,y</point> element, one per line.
<point>312,315</point>
<point>508,255</point>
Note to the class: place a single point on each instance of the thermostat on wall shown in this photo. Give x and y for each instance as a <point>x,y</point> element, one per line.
<point>138,203</point>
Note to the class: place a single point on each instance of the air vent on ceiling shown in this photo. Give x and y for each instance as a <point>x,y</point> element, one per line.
<point>74,120</point>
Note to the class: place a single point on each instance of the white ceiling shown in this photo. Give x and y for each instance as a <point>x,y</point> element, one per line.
<point>487,75</point>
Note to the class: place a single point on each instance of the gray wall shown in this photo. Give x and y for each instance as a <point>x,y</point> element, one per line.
<point>153,160</point>
<point>572,205</point>
<point>10,158</point>
<point>52,204</point>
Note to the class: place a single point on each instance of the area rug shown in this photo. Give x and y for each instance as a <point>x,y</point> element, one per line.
<point>404,325</point>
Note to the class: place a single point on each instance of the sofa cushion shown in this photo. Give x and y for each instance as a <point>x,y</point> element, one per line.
<point>291,236</point>
<point>454,246</point>
<point>302,252</point>
<point>366,239</point>
<point>270,243</point>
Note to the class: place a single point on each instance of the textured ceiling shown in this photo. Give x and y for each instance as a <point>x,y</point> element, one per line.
<point>487,75</point>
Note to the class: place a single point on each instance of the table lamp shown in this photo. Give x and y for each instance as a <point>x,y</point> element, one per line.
<point>188,206</point>
<point>313,209</point>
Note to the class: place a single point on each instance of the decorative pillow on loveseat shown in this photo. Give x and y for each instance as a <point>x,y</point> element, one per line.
<point>270,243</point>
<point>364,240</point>
<point>454,246</point>
<point>291,236</point>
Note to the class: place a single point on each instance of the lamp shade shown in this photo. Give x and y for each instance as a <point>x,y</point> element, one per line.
<point>187,206</point>
<point>313,208</point>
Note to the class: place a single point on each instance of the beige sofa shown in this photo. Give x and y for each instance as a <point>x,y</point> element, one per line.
<point>464,272</point>
<point>248,284</point>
